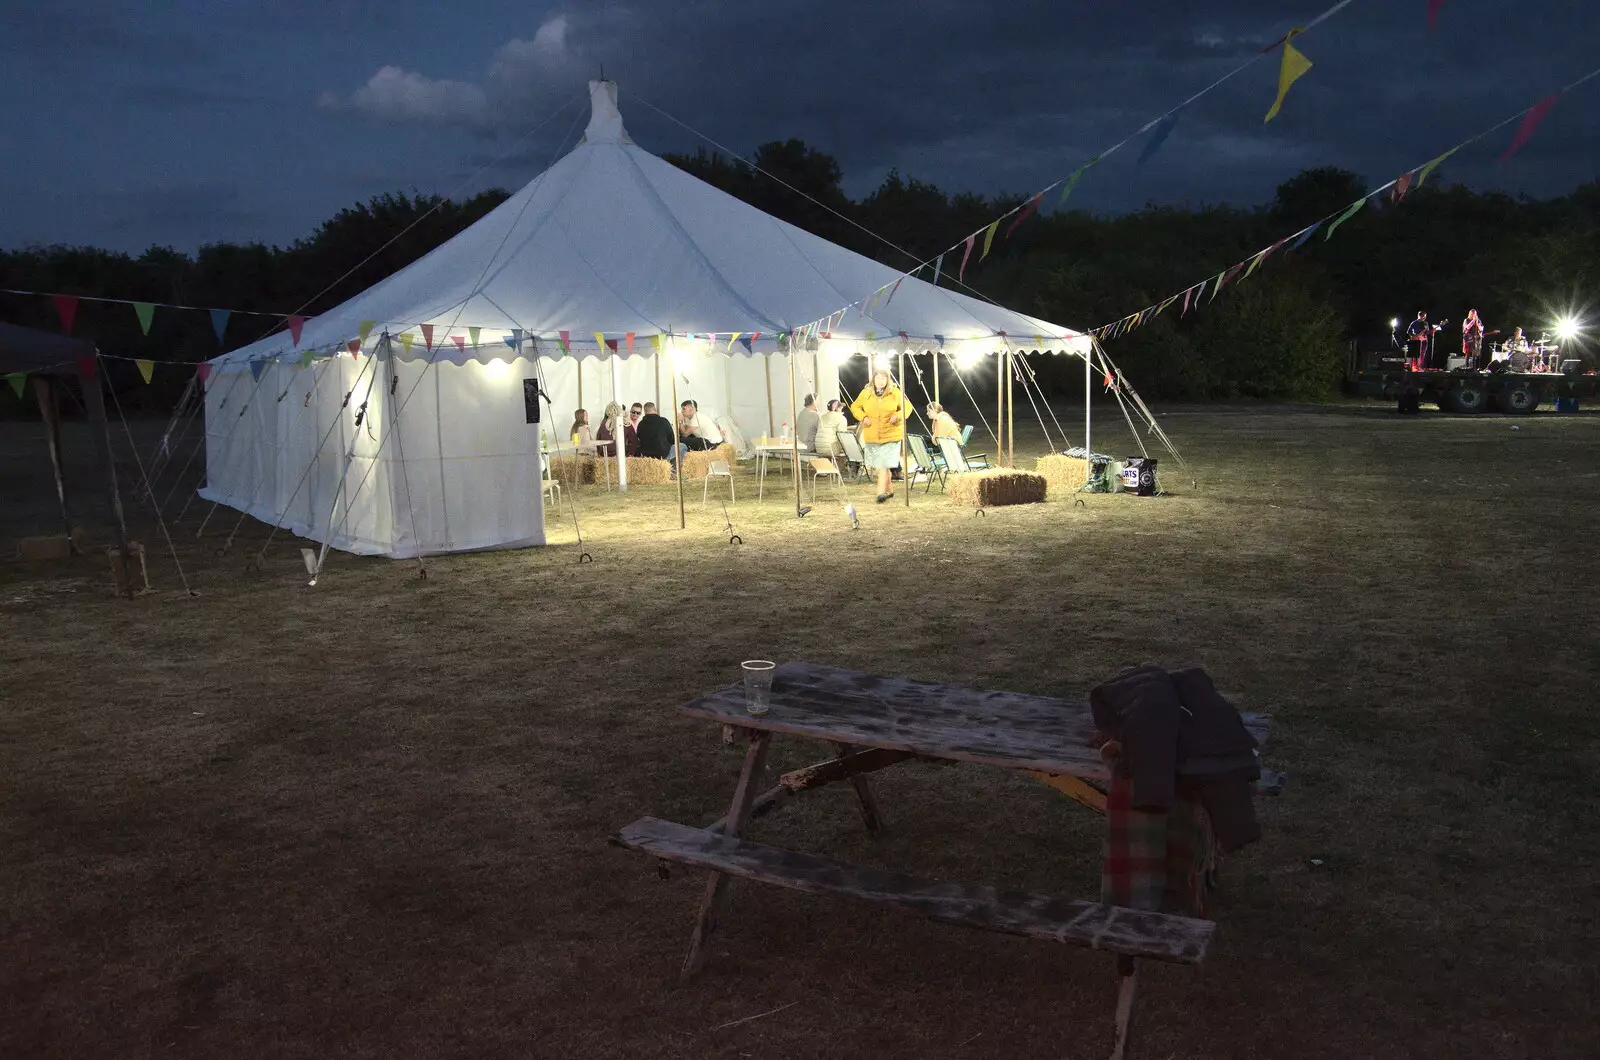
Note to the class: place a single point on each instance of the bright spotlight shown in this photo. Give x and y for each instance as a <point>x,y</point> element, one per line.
<point>1394,322</point>
<point>498,368</point>
<point>883,360</point>
<point>1566,329</point>
<point>968,359</point>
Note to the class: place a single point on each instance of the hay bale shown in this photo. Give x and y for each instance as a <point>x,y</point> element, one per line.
<point>648,471</point>
<point>572,470</point>
<point>696,465</point>
<point>1063,475</point>
<point>48,547</point>
<point>996,487</point>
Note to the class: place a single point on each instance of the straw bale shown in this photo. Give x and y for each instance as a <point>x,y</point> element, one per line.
<point>993,488</point>
<point>571,470</point>
<point>648,471</point>
<point>1064,475</point>
<point>696,465</point>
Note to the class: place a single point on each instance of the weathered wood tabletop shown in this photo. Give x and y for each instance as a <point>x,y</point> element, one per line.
<point>1012,730</point>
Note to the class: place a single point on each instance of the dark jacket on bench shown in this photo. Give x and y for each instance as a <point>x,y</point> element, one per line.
<point>1175,728</point>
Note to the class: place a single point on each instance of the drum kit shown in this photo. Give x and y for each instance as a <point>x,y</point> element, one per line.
<point>1543,356</point>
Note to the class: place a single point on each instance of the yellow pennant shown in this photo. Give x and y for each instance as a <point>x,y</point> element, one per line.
<point>366,329</point>
<point>733,340</point>
<point>656,341</point>
<point>1294,67</point>
<point>988,238</point>
<point>473,334</point>
<point>406,339</point>
<point>146,369</point>
<point>600,343</point>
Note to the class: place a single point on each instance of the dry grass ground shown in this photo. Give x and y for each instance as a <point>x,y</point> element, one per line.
<point>369,819</point>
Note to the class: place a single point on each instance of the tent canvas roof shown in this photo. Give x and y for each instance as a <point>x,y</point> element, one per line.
<point>612,239</point>
<point>30,350</point>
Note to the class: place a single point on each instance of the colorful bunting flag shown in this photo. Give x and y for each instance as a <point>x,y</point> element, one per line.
<point>1426,171</point>
<point>146,369</point>
<point>355,345</point>
<point>656,340</point>
<point>1530,122</point>
<point>306,358</point>
<point>296,323</point>
<point>18,380</point>
<point>599,341</point>
<point>1434,7</point>
<point>988,238</point>
<point>1402,184</point>
<point>1307,234</point>
<point>565,338</point>
<point>732,339</point>
<point>366,329</point>
<point>892,290</point>
<point>1294,67</point>
<point>1353,209</point>
<point>427,337</point>
<point>940,340</point>
<point>1158,137</point>
<point>611,344</point>
<point>86,366</point>
<point>257,366</point>
<point>1072,181</point>
<point>514,340</point>
<point>748,344</point>
<point>219,321</point>
<point>937,265</point>
<point>629,338</point>
<point>202,372</point>
<point>1032,205</point>
<point>461,343</point>
<point>1186,294</point>
<point>473,334</point>
<point>66,309</point>
<point>146,312</point>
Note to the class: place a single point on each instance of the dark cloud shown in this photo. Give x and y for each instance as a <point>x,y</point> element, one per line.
<point>364,95</point>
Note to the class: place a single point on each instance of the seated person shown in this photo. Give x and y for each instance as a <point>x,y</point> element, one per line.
<point>694,432</point>
<point>807,422</point>
<point>944,425</point>
<point>605,437</point>
<point>829,426</point>
<point>582,436</point>
<point>632,433</point>
<point>655,437</point>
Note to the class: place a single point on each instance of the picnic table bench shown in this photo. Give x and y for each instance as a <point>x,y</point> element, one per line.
<point>874,722</point>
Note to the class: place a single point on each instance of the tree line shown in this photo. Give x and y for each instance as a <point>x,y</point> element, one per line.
<point>1286,333</point>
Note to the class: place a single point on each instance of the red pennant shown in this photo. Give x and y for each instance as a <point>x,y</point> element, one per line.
<point>630,343</point>
<point>611,344</point>
<point>1109,381</point>
<point>66,309</point>
<point>295,324</point>
<point>1402,184</point>
<point>1033,204</point>
<point>1186,295</point>
<point>1433,13</point>
<point>355,348</point>
<point>427,336</point>
<point>202,371</point>
<point>1530,122</point>
<point>461,342</point>
<point>86,366</point>
<point>892,290</point>
<point>961,274</point>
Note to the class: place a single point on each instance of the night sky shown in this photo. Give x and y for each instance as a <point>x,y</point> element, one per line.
<point>126,125</point>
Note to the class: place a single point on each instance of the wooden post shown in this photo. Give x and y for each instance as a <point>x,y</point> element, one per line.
<point>677,454</point>
<point>1000,406</point>
<point>580,381</point>
<point>1011,408</point>
<point>1127,994</point>
<point>1088,387</point>
<point>936,376</point>
<point>870,816</point>
<point>794,434</point>
<point>656,361</point>
<point>94,399</point>
<point>766,364</point>
<point>738,813</point>
<point>44,395</point>
<point>905,469</point>
<point>619,431</point>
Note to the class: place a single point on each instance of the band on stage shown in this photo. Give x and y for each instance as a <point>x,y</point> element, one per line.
<point>1515,354</point>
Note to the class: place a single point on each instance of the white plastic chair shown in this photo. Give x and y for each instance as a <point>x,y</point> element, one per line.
<point>822,467</point>
<point>717,469</point>
<point>552,489</point>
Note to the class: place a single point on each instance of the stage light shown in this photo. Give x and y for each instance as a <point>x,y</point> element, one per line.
<point>1566,329</point>
<point>968,359</point>
<point>884,361</point>
<point>1394,323</point>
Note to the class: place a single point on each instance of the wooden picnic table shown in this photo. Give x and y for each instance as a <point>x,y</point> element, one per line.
<point>876,721</point>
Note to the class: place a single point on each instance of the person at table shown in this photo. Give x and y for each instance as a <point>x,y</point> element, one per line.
<point>605,438</point>
<point>807,422</point>
<point>655,437</point>
<point>882,409</point>
<point>942,423</point>
<point>694,431</point>
<point>632,435</point>
<point>830,425</point>
<point>582,435</point>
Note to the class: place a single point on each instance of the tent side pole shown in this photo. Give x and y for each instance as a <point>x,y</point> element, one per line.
<point>772,424</point>
<point>794,434</point>
<point>677,454</point>
<point>619,440</point>
<point>95,399</point>
<point>580,383</point>
<point>1088,384</point>
<point>1000,406</point>
<point>1011,408</point>
<point>44,395</point>
<point>936,377</point>
<point>656,360</point>
<point>905,467</point>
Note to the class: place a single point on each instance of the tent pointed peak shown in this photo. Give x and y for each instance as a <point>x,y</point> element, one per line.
<point>605,121</point>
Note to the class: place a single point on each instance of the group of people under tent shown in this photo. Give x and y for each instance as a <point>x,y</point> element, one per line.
<point>880,412</point>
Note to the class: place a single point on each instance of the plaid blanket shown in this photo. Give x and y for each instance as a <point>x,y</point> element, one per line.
<point>1163,861</point>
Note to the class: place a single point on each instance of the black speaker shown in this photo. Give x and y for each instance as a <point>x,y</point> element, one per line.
<point>530,400</point>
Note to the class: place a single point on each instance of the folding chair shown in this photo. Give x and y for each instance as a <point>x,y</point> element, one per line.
<point>930,466</point>
<point>822,467</point>
<point>717,469</point>
<point>954,461</point>
<point>966,435</point>
<point>854,455</point>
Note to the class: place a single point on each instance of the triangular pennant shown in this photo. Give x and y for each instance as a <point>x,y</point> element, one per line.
<point>1402,184</point>
<point>219,321</point>
<point>961,273</point>
<point>1256,261</point>
<point>87,369</point>
<point>892,290</point>
<point>366,329</point>
<point>988,238</point>
<point>1162,308</point>
<point>406,339</point>
<point>146,312</point>
<point>1072,181</point>
<point>1032,205</point>
<point>460,341</point>
<point>872,336</point>
<point>1222,279</point>
<point>937,265</point>
<point>599,341</point>
<point>427,337</point>
<point>1158,138</point>
<point>1186,294</point>
<point>656,341</point>
<point>566,341</point>
<point>629,339</point>
<point>257,366</point>
<point>1530,122</point>
<point>1433,13</point>
<point>940,340</point>
<point>202,372</point>
<point>610,344</point>
<point>1294,67</point>
<point>1109,382</point>
<point>748,344</point>
<point>306,357</point>
<point>1350,212</point>
<point>18,380</point>
<point>1307,234</point>
<point>355,345</point>
<point>514,340</point>
<point>732,339</point>
<point>296,323</point>
<point>473,334</point>
<point>66,309</point>
<point>1427,171</point>
<point>147,369</point>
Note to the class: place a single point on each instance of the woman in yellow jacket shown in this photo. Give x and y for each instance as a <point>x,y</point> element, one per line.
<point>882,410</point>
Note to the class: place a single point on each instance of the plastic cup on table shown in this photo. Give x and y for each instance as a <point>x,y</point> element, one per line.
<point>757,686</point>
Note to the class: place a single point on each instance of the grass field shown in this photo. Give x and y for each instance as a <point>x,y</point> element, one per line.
<point>369,819</point>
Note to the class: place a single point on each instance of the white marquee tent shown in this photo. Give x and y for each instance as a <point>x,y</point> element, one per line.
<point>607,271</point>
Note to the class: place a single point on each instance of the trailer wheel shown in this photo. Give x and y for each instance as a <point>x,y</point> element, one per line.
<point>1519,398</point>
<point>1469,397</point>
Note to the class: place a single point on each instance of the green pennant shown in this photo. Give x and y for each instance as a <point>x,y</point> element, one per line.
<point>1072,181</point>
<point>18,380</point>
<point>1355,208</point>
<point>306,357</point>
<point>1428,169</point>
<point>988,239</point>
<point>1255,263</point>
<point>146,313</point>
<point>473,333</point>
